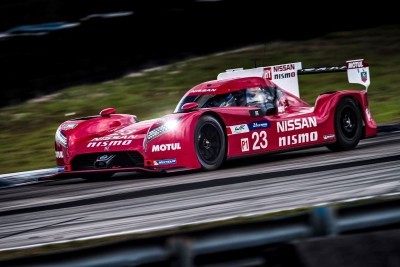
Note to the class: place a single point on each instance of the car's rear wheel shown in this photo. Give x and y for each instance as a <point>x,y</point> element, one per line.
<point>348,125</point>
<point>210,142</point>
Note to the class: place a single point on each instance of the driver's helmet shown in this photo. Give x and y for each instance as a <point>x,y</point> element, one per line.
<point>255,95</point>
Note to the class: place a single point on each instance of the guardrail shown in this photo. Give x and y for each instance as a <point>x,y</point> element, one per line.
<point>256,242</point>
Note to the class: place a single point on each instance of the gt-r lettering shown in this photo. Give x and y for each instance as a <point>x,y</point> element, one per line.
<point>109,143</point>
<point>166,147</point>
<point>284,75</point>
<point>59,154</point>
<point>284,67</point>
<point>244,143</point>
<point>296,124</point>
<point>298,139</point>
<point>114,137</point>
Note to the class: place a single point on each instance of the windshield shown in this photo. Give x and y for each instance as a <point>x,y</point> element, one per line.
<point>262,97</point>
<point>210,101</point>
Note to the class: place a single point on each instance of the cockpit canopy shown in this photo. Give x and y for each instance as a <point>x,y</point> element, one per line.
<point>250,96</point>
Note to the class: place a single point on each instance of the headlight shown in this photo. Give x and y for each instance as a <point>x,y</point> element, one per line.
<point>68,126</point>
<point>61,138</point>
<point>159,130</point>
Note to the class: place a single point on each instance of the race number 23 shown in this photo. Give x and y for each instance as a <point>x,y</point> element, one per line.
<point>260,140</point>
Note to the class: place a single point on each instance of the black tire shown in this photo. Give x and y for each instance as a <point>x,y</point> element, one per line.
<point>210,143</point>
<point>348,125</point>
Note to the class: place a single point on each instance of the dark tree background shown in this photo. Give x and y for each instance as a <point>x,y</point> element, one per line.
<point>98,48</point>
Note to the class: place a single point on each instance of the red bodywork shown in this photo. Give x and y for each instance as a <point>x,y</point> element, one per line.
<point>295,125</point>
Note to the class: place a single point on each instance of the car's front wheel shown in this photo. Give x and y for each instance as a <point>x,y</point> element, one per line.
<point>210,142</point>
<point>348,125</point>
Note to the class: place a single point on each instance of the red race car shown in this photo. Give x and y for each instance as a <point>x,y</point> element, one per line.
<point>242,113</point>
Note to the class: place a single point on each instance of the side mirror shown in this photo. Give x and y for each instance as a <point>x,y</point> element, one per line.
<point>107,112</point>
<point>189,106</point>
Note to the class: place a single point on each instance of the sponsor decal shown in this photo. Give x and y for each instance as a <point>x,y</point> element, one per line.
<point>118,135</point>
<point>205,90</point>
<point>108,144</point>
<point>166,147</point>
<point>284,67</point>
<point>289,71</point>
<point>296,124</point>
<point>259,125</point>
<point>356,64</point>
<point>298,139</point>
<point>59,154</point>
<point>364,76</point>
<point>68,126</point>
<point>165,162</point>
<point>284,75</point>
<point>237,129</point>
<point>268,73</point>
<point>114,137</point>
<point>329,136</point>
<point>244,143</point>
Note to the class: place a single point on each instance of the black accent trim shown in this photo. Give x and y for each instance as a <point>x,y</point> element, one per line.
<point>127,159</point>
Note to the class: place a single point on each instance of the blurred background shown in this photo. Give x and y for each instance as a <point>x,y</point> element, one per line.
<point>46,45</point>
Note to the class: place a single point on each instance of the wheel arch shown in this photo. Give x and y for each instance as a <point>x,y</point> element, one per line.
<point>223,125</point>
<point>357,100</point>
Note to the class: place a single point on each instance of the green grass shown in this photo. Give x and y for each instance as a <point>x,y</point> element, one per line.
<point>27,130</point>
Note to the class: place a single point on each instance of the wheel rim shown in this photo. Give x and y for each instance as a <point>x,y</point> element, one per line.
<point>209,143</point>
<point>348,122</point>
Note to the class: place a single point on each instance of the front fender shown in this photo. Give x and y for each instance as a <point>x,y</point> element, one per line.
<point>175,148</point>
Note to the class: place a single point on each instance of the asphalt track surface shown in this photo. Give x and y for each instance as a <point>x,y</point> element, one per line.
<point>58,211</point>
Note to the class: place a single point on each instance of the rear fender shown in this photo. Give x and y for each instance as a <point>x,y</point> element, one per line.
<point>325,106</point>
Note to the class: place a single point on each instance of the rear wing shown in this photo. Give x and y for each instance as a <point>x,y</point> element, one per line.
<point>286,75</point>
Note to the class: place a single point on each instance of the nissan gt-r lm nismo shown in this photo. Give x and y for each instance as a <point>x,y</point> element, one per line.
<point>242,113</point>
